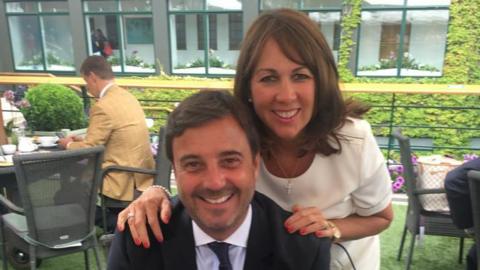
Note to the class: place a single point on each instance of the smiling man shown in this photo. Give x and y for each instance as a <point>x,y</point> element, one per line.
<point>218,220</point>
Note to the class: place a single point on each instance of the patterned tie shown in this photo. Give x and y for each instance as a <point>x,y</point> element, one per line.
<point>221,250</point>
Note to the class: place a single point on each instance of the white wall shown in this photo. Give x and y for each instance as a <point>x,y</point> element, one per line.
<point>369,44</point>
<point>427,43</point>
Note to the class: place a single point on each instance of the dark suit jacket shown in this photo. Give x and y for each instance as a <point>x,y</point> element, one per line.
<point>269,246</point>
<point>458,194</point>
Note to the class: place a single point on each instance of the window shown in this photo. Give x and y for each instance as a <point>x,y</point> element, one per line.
<point>40,35</point>
<point>181,32</point>
<point>126,26</point>
<point>235,31</point>
<point>402,43</point>
<point>201,46</point>
<point>329,24</point>
<point>212,33</point>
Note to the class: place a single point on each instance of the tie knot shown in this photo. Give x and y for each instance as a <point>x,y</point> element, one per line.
<point>221,250</point>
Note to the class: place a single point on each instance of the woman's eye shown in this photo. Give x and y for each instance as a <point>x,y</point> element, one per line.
<point>301,77</point>
<point>268,79</point>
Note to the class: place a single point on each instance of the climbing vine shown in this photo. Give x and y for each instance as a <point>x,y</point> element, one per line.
<point>350,20</point>
<point>462,60</point>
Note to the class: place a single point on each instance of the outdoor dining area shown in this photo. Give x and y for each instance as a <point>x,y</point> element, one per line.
<point>49,194</point>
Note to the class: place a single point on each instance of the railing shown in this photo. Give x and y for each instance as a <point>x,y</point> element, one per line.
<point>392,106</point>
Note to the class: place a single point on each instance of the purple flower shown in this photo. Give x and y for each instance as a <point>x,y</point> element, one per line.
<point>400,180</point>
<point>469,157</point>
<point>414,160</point>
<point>154,148</point>
<point>396,186</point>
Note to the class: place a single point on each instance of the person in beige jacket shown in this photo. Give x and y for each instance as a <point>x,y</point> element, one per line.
<point>117,121</point>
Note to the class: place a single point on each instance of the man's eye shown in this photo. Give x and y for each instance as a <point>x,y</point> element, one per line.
<point>192,166</point>
<point>230,162</point>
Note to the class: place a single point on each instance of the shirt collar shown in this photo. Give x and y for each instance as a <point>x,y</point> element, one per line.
<point>237,238</point>
<point>104,89</point>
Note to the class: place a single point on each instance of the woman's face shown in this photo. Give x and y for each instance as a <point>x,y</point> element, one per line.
<point>283,93</point>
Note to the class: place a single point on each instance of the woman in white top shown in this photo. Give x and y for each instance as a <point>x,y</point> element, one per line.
<point>319,160</point>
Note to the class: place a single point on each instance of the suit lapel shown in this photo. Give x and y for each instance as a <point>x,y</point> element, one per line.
<point>259,249</point>
<point>179,248</point>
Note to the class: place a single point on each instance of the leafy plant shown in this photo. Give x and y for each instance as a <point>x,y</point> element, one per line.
<point>53,107</point>
<point>408,62</point>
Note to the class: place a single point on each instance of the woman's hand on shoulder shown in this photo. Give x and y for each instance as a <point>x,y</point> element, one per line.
<point>307,220</point>
<point>152,203</point>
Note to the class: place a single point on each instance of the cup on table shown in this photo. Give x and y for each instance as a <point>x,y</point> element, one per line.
<point>9,149</point>
<point>47,141</point>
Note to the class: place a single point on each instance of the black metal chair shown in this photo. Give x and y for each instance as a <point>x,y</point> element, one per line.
<point>418,219</point>
<point>58,192</point>
<point>161,176</point>
<point>474,184</point>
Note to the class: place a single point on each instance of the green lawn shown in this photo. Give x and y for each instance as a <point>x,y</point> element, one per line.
<point>435,252</point>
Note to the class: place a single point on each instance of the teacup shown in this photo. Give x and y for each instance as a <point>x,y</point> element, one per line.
<point>9,149</point>
<point>47,140</point>
<point>26,145</point>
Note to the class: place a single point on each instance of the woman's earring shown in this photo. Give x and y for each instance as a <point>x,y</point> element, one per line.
<point>249,100</point>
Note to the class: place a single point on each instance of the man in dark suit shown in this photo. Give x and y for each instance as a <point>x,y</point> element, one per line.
<point>215,156</point>
<point>458,196</point>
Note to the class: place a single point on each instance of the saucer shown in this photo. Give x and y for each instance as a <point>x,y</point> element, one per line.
<point>48,145</point>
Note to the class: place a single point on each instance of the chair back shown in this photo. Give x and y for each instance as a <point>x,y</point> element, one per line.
<point>410,176</point>
<point>59,192</point>
<point>474,185</point>
<point>163,165</point>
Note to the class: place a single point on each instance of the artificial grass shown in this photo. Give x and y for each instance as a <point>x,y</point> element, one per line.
<point>435,252</point>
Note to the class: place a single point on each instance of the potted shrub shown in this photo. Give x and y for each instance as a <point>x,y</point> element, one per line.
<point>51,107</point>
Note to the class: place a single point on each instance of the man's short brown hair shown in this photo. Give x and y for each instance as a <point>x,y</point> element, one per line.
<point>98,65</point>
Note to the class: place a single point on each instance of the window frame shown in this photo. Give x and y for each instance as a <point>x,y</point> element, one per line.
<point>403,28</point>
<point>206,40</point>
<point>39,15</point>
<point>120,16</point>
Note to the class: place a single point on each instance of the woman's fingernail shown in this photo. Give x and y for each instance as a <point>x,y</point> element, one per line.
<point>318,233</point>
<point>137,242</point>
<point>303,231</point>
<point>146,245</point>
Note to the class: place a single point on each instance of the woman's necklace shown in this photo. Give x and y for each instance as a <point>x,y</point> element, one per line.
<point>289,185</point>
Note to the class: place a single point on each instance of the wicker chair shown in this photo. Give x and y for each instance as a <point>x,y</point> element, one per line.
<point>419,220</point>
<point>58,192</point>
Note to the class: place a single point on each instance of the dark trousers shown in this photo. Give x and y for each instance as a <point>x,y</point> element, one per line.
<point>111,214</point>
<point>472,258</point>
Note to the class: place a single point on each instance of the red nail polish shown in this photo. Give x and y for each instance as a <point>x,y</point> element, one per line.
<point>137,242</point>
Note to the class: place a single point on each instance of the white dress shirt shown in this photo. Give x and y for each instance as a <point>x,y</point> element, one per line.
<point>104,89</point>
<point>207,260</point>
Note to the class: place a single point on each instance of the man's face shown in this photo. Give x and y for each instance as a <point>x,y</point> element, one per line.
<point>215,174</point>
